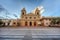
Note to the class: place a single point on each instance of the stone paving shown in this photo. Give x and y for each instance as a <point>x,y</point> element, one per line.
<point>29,33</point>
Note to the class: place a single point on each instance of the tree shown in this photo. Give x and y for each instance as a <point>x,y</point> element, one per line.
<point>1,22</point>
<point>55,20</point>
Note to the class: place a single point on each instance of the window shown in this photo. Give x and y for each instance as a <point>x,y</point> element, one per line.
<point>26,17</point>
<point>18,24</point>
<point>49,19</point>
<point>23,13</point>
<point>30,17</point>
<point>46,19</point>
<point>47,23</point>
<point>37,13</point>
<point>34,17</point>
<point>14,23</point>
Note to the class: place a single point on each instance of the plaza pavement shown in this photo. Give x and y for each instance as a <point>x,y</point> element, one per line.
<point>29,33</point>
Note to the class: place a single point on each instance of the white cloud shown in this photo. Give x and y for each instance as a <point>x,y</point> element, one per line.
<point>41,8</point>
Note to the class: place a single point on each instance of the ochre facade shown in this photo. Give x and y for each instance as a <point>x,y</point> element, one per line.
<point>31,19</point>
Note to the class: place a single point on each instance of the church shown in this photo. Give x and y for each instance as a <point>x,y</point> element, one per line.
<point>31,19</point>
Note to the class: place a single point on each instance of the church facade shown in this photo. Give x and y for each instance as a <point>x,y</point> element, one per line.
<point>31,19</point>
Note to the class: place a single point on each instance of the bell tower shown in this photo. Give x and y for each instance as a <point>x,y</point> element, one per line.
<point>37,11</point>
<point>23,11</point>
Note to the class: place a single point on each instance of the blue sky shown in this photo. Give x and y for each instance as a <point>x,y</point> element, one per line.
<point>13,7</point>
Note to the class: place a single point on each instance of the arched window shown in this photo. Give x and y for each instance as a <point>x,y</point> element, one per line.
<point>23,13</point>
<point>37,13</point>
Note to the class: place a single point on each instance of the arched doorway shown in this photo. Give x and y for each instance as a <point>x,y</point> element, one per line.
<point>30,23</point>
<point>26,23</point>
<point>34,23</point>
<point>18,24</point>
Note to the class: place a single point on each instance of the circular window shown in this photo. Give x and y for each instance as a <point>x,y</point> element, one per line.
<point>30,17</point>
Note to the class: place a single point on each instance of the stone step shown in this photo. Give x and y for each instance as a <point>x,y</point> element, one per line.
<point>33,36</point>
